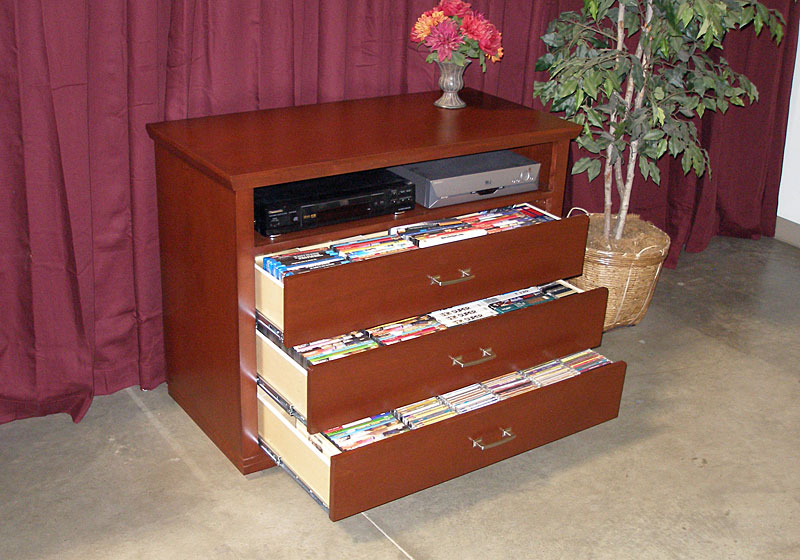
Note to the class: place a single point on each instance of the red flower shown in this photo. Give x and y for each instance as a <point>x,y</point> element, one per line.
<point>476,26</point>
<point>455,8</point>
<point>444,39</point>
<point>491,44</point>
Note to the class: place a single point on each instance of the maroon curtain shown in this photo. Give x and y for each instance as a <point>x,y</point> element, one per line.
<point>80,300</point>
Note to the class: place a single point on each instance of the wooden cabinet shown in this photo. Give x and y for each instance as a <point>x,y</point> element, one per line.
<point>206,171</point>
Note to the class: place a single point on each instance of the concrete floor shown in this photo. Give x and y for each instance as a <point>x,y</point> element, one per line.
<point>703,461</point>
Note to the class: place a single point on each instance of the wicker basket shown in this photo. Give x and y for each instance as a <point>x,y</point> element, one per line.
<point>629,276</point>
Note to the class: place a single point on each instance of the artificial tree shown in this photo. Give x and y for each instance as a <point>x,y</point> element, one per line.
<point>636,74</point>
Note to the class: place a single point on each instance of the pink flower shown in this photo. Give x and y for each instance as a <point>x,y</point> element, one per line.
<point>444,39</point>
<point>454,8</point>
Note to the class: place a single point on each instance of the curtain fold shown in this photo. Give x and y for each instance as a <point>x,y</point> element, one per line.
<point>80,296</point>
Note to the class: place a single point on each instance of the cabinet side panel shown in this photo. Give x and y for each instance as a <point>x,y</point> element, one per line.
<point>199,279</point>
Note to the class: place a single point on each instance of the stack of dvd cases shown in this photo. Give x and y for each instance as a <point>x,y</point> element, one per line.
<point>460,401</point>
<point>403,238</point>
<point>320,351</point>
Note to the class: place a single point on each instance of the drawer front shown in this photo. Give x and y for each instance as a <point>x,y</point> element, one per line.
<point>374,381</point>
<point>389,469</point>
<point>331,301</point>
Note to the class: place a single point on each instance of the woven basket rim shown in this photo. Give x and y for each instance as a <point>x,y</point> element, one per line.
<point>653,256</point>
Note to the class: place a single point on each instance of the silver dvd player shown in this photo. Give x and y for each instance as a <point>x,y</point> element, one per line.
<point>443,182</point>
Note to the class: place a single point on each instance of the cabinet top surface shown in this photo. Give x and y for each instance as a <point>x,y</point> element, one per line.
<point>251,149</point>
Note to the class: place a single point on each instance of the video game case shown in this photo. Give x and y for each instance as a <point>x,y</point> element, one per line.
<point>509,385</point>
<point>406,329</point>
<point>440,238</point>
<point>469,398</point>
<point>559,289</point>
<point>517,299</point>
<point>320,351</point>
<point>365,431</point>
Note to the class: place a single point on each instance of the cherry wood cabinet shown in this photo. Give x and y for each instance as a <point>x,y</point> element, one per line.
<point>207,169</point>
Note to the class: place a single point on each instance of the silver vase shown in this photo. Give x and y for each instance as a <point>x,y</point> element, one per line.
<point>451,80</point>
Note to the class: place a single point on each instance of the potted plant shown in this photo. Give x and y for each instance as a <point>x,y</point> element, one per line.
<point>636,74</point>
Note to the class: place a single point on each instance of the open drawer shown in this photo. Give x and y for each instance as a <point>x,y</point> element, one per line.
<point>348,482</point>
<point>367,383</point>
<point>329,301</point>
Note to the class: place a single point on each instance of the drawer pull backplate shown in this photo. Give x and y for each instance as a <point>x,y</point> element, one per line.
<point>507,435</point>
<point>465,275</point>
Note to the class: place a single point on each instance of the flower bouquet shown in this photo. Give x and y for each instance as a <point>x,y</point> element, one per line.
<point>454,35</point>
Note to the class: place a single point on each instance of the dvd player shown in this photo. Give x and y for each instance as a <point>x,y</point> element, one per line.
<point>330,200</point>
<point>443,182</point>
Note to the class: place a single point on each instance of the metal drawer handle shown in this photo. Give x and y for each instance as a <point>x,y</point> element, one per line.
<point>486,354</point>
<point>465,275</point>
<point>507,435</point>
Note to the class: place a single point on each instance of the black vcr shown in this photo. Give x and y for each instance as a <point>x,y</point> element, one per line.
<point>330,200</point>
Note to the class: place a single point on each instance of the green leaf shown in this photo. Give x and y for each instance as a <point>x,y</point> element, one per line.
<point>659,115</point>
<point>590,144</point>
<point>686,163</point>
<point>594,169</point>
<point>567,88</point>
<point>704,27</point>
<point>579,97</point>
<point>594,117</point>
<point>591,83</point>
<point>655,174</point>
<point>458,58</point>
<point>661,149</point>
<point>591,7</point>
<point>563,104</point>
<point>676,145</point>
<point>758,21</point>
<point>685,13</point>
<point>644,167</point>
<point>654,134</point>
<point>611,84</point>
<point>582,165</point>
<point>544,63</point>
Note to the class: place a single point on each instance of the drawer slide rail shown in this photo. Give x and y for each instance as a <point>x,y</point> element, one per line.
<point>280,401</point>
<point>278,461</point>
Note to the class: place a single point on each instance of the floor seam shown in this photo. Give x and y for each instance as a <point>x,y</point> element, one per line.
<point>385,534</point>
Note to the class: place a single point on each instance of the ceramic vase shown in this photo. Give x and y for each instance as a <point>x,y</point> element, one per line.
<point>451,80</point>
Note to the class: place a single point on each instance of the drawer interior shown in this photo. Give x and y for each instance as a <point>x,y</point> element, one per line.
<point>378,379</point>
<point>307,457</point>
<point>288,378</point>
<point>328,301</point>
<point>348,482</point>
